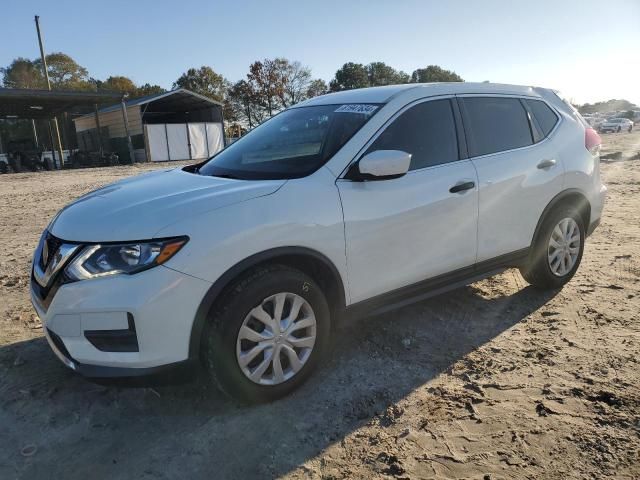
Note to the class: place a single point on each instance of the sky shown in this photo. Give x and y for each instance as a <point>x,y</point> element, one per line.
<point>589,49</point>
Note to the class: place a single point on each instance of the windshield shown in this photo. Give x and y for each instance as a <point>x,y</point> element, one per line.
<point>292,144</point>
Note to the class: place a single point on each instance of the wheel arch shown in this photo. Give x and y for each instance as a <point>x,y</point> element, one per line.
<point>571,196</point>
<point>313,263</point>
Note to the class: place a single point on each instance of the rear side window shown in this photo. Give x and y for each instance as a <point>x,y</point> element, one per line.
<point>545,117</point>
<point>427,131</point>
<point>495,124</point>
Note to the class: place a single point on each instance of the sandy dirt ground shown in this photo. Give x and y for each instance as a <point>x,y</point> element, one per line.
<point>495,380</point>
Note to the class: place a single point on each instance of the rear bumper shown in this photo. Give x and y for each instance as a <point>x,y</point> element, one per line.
<point>597,206</point>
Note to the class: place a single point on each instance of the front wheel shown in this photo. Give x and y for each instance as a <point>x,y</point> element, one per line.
<point>557,250</point>
<point>267,334</point>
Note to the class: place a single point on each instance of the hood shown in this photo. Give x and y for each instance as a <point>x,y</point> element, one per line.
<point>138,207</point>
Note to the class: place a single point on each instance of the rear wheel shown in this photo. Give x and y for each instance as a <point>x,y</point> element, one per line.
<point>267,334</point>
<point>618,130</point>
<point>557,250</point>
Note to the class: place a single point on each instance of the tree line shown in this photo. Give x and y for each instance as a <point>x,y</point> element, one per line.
<point>269,86</point>
<point>274,84</point>
<point>66,74</point>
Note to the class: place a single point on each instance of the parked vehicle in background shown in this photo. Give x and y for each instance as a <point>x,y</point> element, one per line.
<point>616,125</point>
<point>595,122</point>
<point>24,155</point>
<point>345,204</point>
<point>82,158</point>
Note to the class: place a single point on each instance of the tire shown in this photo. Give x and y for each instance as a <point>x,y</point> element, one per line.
<point>539,271</point>
<point>630,128</point>
<point>618,130</point>
<point>233,314</point>
<point>4,168</point>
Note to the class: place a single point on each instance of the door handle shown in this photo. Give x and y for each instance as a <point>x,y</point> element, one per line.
<point>461,187</point>
<point>546,163</point>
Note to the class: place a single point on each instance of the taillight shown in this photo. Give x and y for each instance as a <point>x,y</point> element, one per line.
<point>592,141</point>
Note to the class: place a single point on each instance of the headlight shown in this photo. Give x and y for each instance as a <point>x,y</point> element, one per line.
<point>96,261</point>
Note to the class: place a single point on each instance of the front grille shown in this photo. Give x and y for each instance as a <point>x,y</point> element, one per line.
<point>53,244</point>
<point>42,260</point>
<point>45,294</point>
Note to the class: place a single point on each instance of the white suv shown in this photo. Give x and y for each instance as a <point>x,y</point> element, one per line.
<point>616,125</point>
<point>348,203</point>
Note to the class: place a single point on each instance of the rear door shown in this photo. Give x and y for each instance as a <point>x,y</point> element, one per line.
<point>518,171</point>
<point>405,230</point>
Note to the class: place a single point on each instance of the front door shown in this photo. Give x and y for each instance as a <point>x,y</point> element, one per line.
<point>402,231</point>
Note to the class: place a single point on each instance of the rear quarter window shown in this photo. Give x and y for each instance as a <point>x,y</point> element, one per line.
<point>543,114</point>
<point>495,124</point>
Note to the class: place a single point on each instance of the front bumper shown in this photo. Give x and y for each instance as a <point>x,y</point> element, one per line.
<point>172,371</point>
<point>161,302</point>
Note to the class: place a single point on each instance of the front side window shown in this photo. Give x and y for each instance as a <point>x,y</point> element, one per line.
<point>293,144</point>
<point>495,124</point>
<point>427,131</point>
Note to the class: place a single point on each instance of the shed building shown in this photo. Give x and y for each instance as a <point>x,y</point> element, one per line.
<point>175,125</point>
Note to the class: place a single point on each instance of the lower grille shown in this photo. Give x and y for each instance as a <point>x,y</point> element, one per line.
<point>57,341</point>
<point>125,340</point>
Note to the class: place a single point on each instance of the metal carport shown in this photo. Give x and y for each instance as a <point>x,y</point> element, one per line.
<point>44,104</point>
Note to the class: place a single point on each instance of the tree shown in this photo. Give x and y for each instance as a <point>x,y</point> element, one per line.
<point>317,87</point>
<point>270,86</point>
<point>148,89</point>
<point>22,73</point>
<point>118,84</point>
<point>350,75</point>
<point>204,81</point>
<point>355,75</point>
<point>379,73</point>
<point>245,104</point>
<point>295,79</point>
<point>267,83</point>
<point>65,73</point>
<point>434,73</point>
<point>612,105</point>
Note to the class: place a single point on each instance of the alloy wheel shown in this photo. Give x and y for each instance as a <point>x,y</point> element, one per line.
<point>564,246</point>
<point>276,339</point>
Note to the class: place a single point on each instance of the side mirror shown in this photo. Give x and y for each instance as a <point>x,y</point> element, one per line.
<point>381,165</point>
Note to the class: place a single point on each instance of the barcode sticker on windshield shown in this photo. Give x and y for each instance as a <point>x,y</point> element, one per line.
<point>357,108</point>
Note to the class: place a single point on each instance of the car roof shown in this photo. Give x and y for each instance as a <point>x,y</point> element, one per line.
<point>386,93</point>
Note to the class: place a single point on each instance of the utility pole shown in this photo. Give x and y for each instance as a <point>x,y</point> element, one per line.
<point>125,119</point>
<point>46,76</point>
